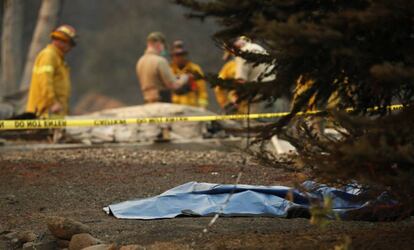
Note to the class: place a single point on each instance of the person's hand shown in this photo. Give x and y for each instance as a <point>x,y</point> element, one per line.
<point>233,97</point>
<point>56,108</point>
<point>182,80</point>
<point>183,84</point>
<point>231,108</point>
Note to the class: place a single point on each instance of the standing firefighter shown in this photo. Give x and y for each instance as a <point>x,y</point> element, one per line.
<point>249,72</point>
<point>196,93</point>
<point>50,85</point>
<point>154,73</point>
<point>224,97</point>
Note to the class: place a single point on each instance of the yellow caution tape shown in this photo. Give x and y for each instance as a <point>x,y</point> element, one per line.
<point>64,123</point>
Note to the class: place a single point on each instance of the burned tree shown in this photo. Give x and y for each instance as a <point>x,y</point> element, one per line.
<point>360,51</point>
<point>11,46</point>
<point>46,22</point>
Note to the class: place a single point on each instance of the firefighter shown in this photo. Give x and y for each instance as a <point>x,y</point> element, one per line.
<point>251,72</point>
<point>317,123</point>
<point>196,95</point>
<point>50,83</point>
<point>224,97</point>
<point>248,72</point>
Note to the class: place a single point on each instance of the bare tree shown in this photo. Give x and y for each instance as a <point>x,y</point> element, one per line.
<point>11,49</point>
<point>46,21</point>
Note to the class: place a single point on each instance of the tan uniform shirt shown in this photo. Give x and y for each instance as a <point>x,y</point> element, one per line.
<point>154,74</point>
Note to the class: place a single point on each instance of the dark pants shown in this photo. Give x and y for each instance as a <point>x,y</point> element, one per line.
<point>164,96</point>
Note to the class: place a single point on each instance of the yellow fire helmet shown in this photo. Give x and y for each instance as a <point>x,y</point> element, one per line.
<point>65,33</point>
<point>245,38</point>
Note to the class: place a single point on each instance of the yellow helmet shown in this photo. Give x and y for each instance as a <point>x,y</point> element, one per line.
<point>245,38</point>
<point>65,33</point>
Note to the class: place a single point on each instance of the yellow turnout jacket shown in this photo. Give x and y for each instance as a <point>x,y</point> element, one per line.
<point>50,82</point>
<point>224,97</point>
<point>198,97</point>
<point>303,85</point>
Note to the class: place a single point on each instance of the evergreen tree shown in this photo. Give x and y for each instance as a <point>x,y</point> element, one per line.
<point>360,50</point>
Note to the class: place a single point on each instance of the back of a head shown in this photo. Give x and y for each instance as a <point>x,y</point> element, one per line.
<point>156,36</point>
<point>241,41</point>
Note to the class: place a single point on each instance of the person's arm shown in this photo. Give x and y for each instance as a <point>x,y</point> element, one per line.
<point>242,70</point>
<point>201,88</point>
<point>167,75</point>
<point>225,97</point>
<point>221,96</point>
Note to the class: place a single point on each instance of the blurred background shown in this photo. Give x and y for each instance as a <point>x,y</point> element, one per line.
<point>112,36</point>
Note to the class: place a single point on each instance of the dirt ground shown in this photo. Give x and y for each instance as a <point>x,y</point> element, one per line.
<point>78,183</point>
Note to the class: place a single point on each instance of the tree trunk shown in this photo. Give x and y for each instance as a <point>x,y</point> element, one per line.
<point>46,22</point>
<point>1,32</point>
<point>11,50</point>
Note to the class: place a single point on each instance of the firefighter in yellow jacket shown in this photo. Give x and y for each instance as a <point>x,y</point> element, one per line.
<point>50,84</point>
<point>317,123</point>
<point>303,85</point>
<point>224,97</point>
<point>196,94</point>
